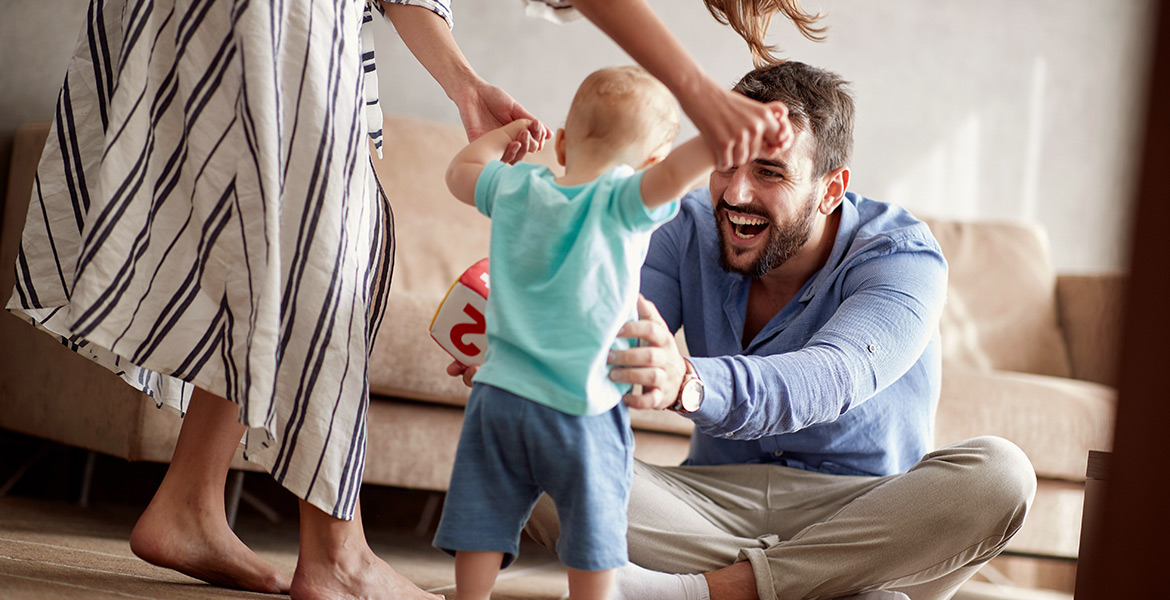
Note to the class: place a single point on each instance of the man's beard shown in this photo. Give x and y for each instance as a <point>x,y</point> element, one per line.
<point>783,241</point>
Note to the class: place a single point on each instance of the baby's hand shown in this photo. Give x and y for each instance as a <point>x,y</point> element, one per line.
<point>455,369</point>
<point>520,146</point>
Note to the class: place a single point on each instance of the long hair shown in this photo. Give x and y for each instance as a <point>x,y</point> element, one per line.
<point>750,19</point>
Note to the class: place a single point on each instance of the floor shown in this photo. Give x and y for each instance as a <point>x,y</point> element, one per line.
<point>52,548</point>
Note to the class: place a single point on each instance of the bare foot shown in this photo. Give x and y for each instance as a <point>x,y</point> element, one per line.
<point>200,544</point>
<point>360,576</point>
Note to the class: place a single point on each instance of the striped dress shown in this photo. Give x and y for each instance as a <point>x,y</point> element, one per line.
<point>205,213</point>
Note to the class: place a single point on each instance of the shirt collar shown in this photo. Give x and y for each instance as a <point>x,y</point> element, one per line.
<point>846,230</point>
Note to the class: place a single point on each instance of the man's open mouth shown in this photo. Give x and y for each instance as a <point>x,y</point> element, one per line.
<point>746,227</point>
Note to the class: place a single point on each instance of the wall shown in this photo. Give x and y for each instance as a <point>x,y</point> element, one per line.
<point>984,110</point>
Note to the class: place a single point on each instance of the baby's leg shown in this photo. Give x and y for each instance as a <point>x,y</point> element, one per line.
<point>589,585</point>
<point>475,574</point>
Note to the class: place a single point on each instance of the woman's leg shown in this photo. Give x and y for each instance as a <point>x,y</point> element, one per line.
<point>336,562</point>
<point>185,526</point>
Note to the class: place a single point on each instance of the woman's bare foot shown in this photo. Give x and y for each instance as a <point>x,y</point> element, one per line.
<point>200,544</point>
<point>360,576</point>
<point>336,563</point>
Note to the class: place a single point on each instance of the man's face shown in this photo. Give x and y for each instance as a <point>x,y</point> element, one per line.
<point>765,210</point>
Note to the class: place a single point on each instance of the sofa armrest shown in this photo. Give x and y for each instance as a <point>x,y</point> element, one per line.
<point>1090,311</point>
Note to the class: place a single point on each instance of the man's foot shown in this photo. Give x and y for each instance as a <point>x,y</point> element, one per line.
<point>201,545</point>
<point>360,575</point>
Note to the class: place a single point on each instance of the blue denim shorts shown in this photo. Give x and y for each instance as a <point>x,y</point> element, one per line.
<point>511,450</point>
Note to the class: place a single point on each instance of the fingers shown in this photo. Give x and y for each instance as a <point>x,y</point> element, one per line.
<point>512,153</point>
<point>649,399</point>
<point>647,310</point>
<point>455,369</point>
<point>647,377</point>
<point>784,134</point>
<point>539,133</point>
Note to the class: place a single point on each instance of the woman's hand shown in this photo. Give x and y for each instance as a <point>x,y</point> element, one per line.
<point>484,107</point>
<point>737,129</point>
<point>656,364</point>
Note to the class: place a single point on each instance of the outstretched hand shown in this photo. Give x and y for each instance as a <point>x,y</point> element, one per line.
<point>485,107</point>
<point>656,364</point>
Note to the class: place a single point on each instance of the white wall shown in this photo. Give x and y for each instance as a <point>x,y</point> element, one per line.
<point>989,109</point>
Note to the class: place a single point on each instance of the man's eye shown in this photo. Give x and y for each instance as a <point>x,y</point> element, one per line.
<point>771,174</point>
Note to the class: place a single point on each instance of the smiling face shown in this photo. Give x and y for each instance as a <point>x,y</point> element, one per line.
<point>766,210</point>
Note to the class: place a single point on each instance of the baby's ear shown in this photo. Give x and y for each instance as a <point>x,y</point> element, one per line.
<point>656,157</point>
<point>559,146</point>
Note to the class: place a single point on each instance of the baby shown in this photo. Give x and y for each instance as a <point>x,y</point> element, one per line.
<point>566,253</point>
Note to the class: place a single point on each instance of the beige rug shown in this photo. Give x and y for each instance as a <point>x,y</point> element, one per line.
<point>55,551</point>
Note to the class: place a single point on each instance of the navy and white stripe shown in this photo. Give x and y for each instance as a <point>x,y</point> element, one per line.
<point>205,213</point>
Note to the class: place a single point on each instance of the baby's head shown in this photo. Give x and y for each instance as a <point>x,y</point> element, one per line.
<point>619,115</point>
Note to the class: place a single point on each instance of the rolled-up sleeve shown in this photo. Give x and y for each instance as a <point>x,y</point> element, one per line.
<point>889,314</point>
<point>439,7</point>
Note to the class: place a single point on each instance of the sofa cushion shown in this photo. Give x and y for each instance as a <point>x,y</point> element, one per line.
<point>1055,421</point>
<point>1001,308</point>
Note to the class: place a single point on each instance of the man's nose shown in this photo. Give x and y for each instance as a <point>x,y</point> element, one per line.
<point>738,190</point>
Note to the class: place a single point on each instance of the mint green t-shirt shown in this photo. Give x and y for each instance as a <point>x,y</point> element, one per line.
<point>565,267</point>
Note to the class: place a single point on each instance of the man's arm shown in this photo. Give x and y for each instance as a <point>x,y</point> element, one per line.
<point>681,170</point>
<point>877,334</point>
<point>874,337</point>
<point>463,172</point>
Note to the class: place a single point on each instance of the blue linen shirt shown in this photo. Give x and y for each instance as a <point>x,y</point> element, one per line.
<point>845,378</point>
<point>565,265</point>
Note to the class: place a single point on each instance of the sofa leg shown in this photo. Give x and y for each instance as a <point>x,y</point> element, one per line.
<point>235,488</point>
<point>428,513</point>
<point>87,479</point>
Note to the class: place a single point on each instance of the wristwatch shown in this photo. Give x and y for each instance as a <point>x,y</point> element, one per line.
<point>690,393</point>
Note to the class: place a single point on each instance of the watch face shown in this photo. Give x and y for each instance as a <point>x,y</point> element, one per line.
<point>692,395</point>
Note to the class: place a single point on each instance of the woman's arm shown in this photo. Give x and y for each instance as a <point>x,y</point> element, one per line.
<point>482,106</point>
<point>735,128</point>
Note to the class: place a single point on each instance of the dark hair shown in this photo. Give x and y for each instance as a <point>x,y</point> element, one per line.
<point>819,102</point>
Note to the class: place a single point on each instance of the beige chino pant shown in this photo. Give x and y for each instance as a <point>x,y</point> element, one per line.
<point>812,535</point>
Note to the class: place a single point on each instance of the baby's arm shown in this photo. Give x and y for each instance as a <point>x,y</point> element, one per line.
<point>464,170</point>
<point>680,171</point>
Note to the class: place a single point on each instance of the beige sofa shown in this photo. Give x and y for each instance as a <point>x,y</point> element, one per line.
<point>1027,353</point>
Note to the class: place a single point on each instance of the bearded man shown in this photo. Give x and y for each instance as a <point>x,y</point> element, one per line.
<point>811,316</point>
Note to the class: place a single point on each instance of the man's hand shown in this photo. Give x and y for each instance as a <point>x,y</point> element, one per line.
<point>656,364</point>
<point>485,107</point>
<point>455,369</point>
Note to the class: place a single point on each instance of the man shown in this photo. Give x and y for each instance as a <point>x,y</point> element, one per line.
<point>811,317</point>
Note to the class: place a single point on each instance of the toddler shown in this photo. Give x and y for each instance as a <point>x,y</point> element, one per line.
<point>566,253</point>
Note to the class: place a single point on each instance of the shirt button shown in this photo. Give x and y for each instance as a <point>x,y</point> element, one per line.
<point>872,348</point>
<point>778,453</point>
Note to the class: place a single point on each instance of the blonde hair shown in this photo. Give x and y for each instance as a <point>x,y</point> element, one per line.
<point>617,108</point>
<point>750,19</point>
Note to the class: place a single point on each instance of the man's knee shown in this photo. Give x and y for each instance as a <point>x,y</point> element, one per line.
<point>995,477</point>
